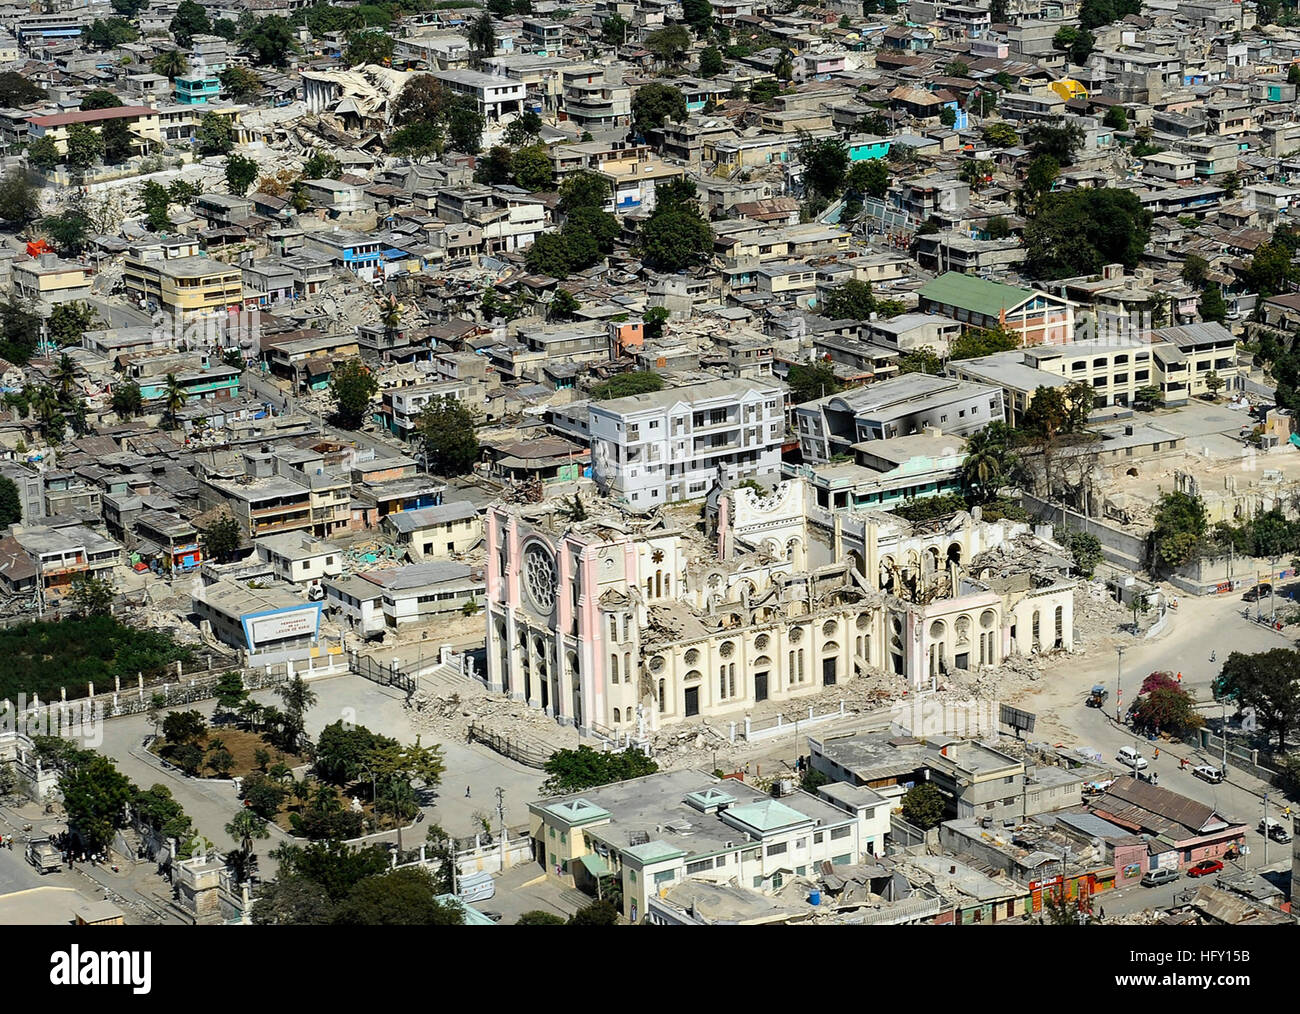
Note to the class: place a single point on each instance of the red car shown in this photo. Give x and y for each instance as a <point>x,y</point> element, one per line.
<point>1205,867</point>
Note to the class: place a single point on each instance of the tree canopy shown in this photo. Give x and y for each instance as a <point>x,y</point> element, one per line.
<point>1266,681</point>
<point>585,768</point>
<point>1079,231</point>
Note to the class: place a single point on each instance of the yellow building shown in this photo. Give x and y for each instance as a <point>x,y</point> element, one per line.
<point>141,121</point>
<point>1068,89</point>
<point>187,288</point>
<point>51,280</point>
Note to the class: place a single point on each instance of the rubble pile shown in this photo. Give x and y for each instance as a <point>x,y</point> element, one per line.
<point>1097,618</point>
<point>449,715</point>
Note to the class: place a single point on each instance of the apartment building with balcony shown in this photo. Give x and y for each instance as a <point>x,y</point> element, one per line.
<point>186,288</point>
<point>141,121</point>
<point>672,445</point>
<point>61,554</point>
<point>495,96</point>
<point>286,491</point>
<point>505,222</point>
<point>401,407</point>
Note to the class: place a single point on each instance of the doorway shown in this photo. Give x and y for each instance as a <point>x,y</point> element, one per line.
<point>692,701</point>
<point>830,667</point>
<point>760,686</point>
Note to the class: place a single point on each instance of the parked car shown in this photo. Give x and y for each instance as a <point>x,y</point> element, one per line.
<point>1275,830</point>
<point>1258,592</point>
<point>1205,867</point>
<point>1155,878</point>
<point>1097,698</point>
<point>1208,772</point>
<point>1129,757</point>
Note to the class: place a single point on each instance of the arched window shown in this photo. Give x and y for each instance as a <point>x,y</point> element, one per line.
<point>627,667</point>
<point>1035,641</point>
<point>1060,627</point>
<point>617,716</point>
<point>613,627</point>
<point>663,694</point>
<point>613,668</point>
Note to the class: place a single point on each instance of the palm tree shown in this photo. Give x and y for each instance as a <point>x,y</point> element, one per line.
<point>297,696</point>
<point>245,827</point>
<point>171,63</point>
<point>974,172</point>
<point>302,791</point>
<point>988,461</point>
<point>250,711</point>
<point>482,37</point>
<point>173,399</point>
<point>65,375</point>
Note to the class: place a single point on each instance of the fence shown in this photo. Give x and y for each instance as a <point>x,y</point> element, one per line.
<point>384,675</point>
<point>782,725</point>
<point>527,752</point>
<point>483,853</point>
<point>1241,757</point>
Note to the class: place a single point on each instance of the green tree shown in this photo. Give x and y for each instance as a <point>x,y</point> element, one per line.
<point>91,596</point>
<point>811,381</point>
<point>119,144</point>
<point>170,63</point>
<point>19,90</point>
<point>403,897</point>
<point>923,806</point>
<point>850,301</point>
<point>43,153</point>
<point>342,751</point>
<point>1180,525</point>
<point>241,173</point>
<point>446,431</point>
<point>1116,118</point>
<point>825,162</point>
<point>668,44</point>
<point>654,104</point>
<point>585,768</point>
<point>20,200</point>
<point>989,461</point>
<point>1079,231</point>
<point>417,141</point>
<point>352,385</point>
<point>65,326</point>
<point>423,99</point>
<point>1000,134</point>
<point>190,20</point>
<point>1195,268</point>
<point>85,147</point>
<point>1085,548</point>
<point>983,341</point>
<point>539,918</point>
<point>269,41</point>
<point>321,165</point>
<point>230,692</point>
<point>598,913</point>
<point>869,178</point>
<point>465,126</point>
<point>95,796</point>
<point>531,167</point>
<point>947,116</point>
<point>1212,306</point>
<point>563,306</point>
<point>675,235</point>
<point>11,506</point>
<point>263,795</point>
<point>155,203</point>
<point>1058,139</point>
<point>368,47</point>
<point>100,98</point>
<point>482,37</point>
<point>711,62</point>
<point>614,30</point>
<point>240,83</point>
<point>1266,681</point>
<point>524,129</point>
<point>215,135</point>
<point>222,538</point>
<point>626,384</point>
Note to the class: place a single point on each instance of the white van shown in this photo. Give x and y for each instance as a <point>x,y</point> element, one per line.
<point>1129,757</point>
<point>476,887</point>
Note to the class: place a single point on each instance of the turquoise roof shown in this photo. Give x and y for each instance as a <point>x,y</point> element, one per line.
<point>577,811</point>
<point>653,852</point>
<point>768,815</point>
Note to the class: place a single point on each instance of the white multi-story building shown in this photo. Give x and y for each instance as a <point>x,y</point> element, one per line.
<point>670,445</point>
<point>494,95</point>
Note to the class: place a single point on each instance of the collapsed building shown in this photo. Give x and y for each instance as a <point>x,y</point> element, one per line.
<point>622,624</point>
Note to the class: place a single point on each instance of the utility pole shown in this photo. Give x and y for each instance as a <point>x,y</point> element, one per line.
<point>1223,731</point>
<point>1272,590</point>
<point>1265,830</point>
<point>1119,693</point>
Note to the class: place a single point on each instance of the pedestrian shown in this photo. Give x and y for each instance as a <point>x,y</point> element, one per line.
<point>467,792</point>
<point>1102,911</point>
<point>1157,754</point>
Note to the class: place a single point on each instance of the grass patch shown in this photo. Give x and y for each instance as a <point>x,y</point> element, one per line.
<point>242,746</point>
<point>45,657</point>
